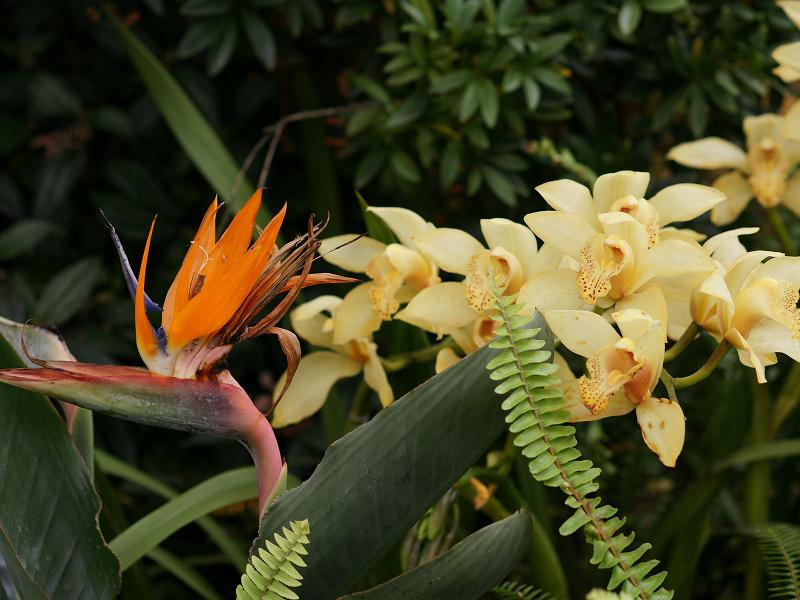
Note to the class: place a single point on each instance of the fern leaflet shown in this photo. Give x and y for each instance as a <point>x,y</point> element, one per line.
<point>511,590</point>
<point>271,573</point>
<point>537,416</point>
<point>780,547</point>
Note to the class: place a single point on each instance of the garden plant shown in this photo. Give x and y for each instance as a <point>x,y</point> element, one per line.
<point>431,299</point>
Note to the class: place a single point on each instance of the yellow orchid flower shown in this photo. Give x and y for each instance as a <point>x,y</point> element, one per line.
<point>461,307</point>
<point>764,172</point>
<point>624,191</point>
<point>318,371</point>
<point>618,261</point>
<point>788,55</point>
<point>397,272</point>
<point>749,302</point>
<point>623,371</point>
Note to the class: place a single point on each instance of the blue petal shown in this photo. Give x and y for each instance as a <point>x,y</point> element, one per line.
<point>127,271</point>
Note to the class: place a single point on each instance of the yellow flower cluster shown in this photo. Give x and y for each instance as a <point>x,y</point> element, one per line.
<point>614,277</point>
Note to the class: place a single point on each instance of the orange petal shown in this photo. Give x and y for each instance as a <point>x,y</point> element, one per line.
<point>178,294</point>
<point>236,239</point>
<point>145,336</point>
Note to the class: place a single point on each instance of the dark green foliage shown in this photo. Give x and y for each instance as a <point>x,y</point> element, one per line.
<point>780,546</point>
<point>511,590</point>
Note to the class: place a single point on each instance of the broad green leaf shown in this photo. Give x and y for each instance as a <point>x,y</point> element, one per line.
<point>698,112</point>
<point>468,570</point>
<point>375,482</point>
<point>533,93</point>
<point>450,81</point>
<point>759,452</point>
<point>369,166</point>
<point>68,291</point>
<point>450,165</point>
<point>23,236</point>
<point>261,38</point>
<point>112,465</point>
<point>217,492</point>
<point>552,79</point>
<point>51,97</point>
<point>49,537</point>
<point>182,571</point>
<point>56,179</point>
<point>194,134</point>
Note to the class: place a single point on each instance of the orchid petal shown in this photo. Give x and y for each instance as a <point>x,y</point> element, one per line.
<point>570,197</point>
<point>450,249</point>
<point>439,308</point>
<point>613,186</point>
<point>355,316</point>
<point>404,223</point>
<point>738,194</point>
<point>684,202</point>
<point>516,238</point>
<point>350,252</point>
<point>316,375</point>
<point>663,428</point>
<point>565,232</point>
<point>581,331</point>
<point>710,153</point>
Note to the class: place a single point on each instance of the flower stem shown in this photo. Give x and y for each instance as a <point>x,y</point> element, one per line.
<point>266,455</point>
<point>359,408</point>
<point>783,234</point>
<point>719,352</point>
<point>756,492</point>
<point>787,400</point>
<point>399,362</point>
<point>683,342</point>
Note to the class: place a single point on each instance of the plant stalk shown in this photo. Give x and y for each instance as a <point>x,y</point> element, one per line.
<point>719,352</point>
<point>683,342</point>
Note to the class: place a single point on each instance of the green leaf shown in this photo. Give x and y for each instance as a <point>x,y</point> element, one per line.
<point>450,81</point>
<point>376,227</point>
<point>368,168</point>
<point>500,185</point>
<point>371,88</point>
<point>404,166</point>
<point>698,112</point>
<point>551,45</point>
<point>468,570</point>
<point>197,38</point>
<point>758,453</point>
<point>205,8</point>
<point>533,93</point>
<point>112,465</point>
<point>23,236</point>
<point>630,13</point>
<point>469,101</point>
<point>489,102</point>
<point>51,97</point>
<point>68,291</point>
<point>222,48</point>
<point>212,494</point>
<point>450,165</point>
<point>664,6</point>
<point>386,473</point>
<point>552,79</point>
<point>112,120</point>
<point>409,111</point>
<point>56,179</point>
<point>194,134</point>
<point>49,537</point>
<point>182,571</point>
<point>261,39</point>
<point>13,134</point>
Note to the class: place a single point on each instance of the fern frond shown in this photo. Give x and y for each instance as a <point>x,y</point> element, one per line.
<point>512,590</point>
<point>539,419</point>
<point>271,573</point>
<point>780,547</point>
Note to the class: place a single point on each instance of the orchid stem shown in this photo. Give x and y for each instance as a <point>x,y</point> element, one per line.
<point>360,407</point>
<point>667,380</point>
<point>683,342</point>
<point>423,355</point>
<point>787,400</point>
<point>783,234</point>
<point>719,352</point>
